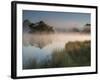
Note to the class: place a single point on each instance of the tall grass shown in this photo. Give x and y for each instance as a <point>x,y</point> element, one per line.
<point>75,54</point>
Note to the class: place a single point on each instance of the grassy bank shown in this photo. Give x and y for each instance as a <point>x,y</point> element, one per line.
<point>75,54</point>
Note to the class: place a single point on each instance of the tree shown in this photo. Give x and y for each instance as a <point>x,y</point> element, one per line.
<point>41,27</point>
<point>75,30</point>
<point>87,28</point>
<point>87,24</point>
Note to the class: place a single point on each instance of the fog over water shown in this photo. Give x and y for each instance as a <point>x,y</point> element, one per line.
<point>41,46</point>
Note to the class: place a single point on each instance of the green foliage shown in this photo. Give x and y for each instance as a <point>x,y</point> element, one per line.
<point>87,24</point>
<point>87,28</point>
<point>74,54</point>
<point>41,27</point>
<point>79,52</point>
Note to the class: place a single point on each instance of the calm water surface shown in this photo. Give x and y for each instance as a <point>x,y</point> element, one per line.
<point>41,46</point>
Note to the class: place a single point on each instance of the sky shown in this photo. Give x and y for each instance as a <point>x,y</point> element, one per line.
<point>58,19</point>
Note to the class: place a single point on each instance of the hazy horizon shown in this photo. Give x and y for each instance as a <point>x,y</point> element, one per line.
<point>58,19</point>
<point>43,47</point>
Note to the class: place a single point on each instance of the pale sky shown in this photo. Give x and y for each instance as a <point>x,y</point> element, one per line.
<point>58,19</point>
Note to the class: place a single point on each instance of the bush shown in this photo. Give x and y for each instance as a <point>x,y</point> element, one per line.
<point>74,54</point>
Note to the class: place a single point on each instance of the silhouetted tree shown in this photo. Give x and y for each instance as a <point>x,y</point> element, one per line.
<point>75,30</point>
<point>41,27</point>
<point>87,28</point>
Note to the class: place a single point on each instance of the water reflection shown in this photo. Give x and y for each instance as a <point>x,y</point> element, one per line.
<point>39,47</point>
<point>37,40</point>
<point>42,40</point>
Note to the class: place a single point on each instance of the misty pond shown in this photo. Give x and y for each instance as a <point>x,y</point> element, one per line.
<point>39,48</point>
